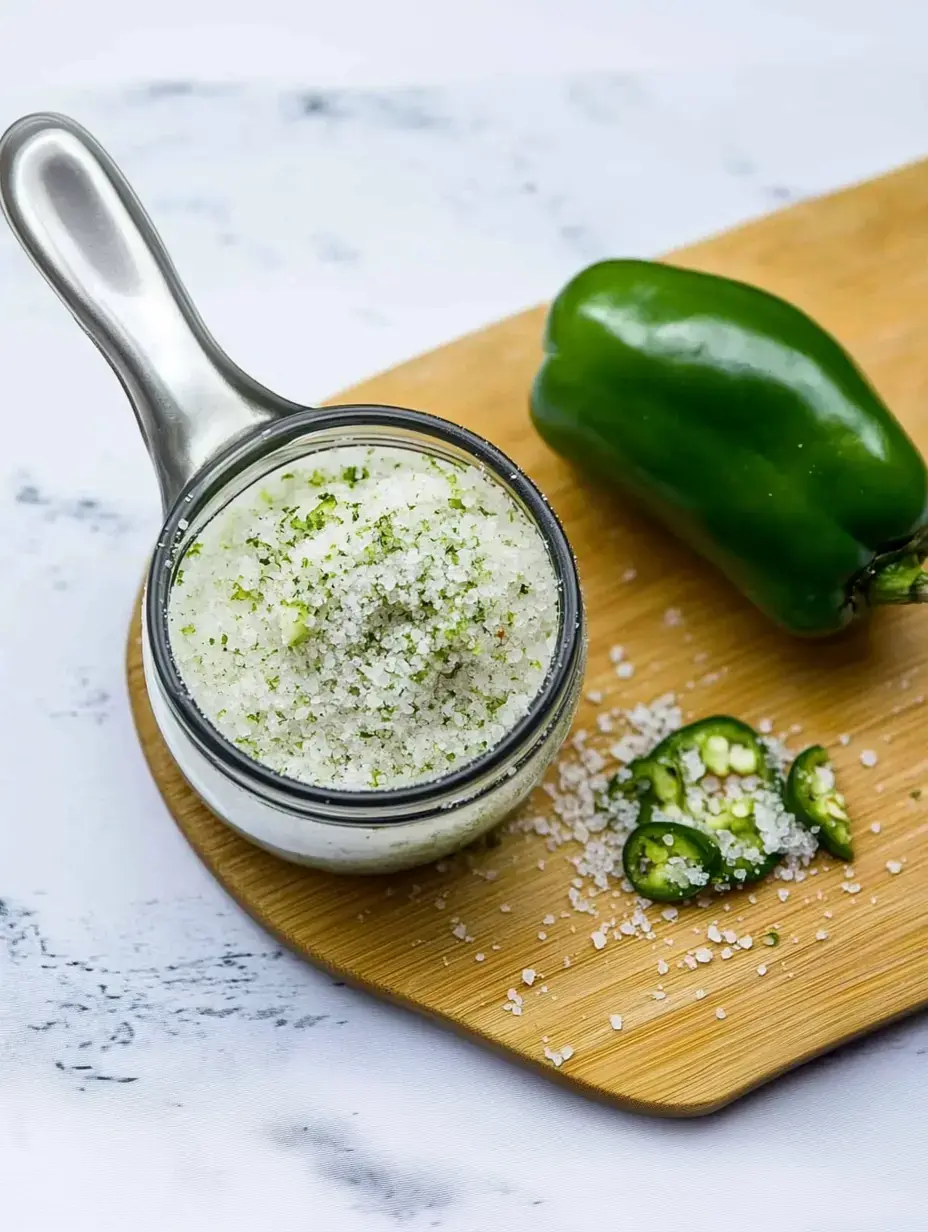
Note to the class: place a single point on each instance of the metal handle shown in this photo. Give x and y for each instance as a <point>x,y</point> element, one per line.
<point>75,214</point>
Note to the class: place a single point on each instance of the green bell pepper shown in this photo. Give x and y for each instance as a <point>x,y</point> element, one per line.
<point>745,428</point>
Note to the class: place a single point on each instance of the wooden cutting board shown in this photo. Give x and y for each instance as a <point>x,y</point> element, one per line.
<point>858,262</point>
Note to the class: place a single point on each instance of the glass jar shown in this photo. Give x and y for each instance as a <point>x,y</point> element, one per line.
<point>382,829</point>
<point>212,431</point>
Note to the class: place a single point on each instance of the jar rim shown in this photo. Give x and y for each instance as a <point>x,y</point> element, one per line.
<point>247,450</point>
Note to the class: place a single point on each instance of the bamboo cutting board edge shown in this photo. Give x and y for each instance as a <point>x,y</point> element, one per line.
<point>822,254</point>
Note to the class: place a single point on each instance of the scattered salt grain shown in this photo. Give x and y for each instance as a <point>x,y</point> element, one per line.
<point>542,936</point>
<point>629,575</point>
<point>662,967</point>
<point>594,696</point>
<point>625,671</point>
<point>599,940</point>
<point>765,726</point>
<point>616,654</point>
<point>669,913</point>
<point>558,1057</point>
<point>673,617</point>
<point>745,943</point>
<point>615,1021</point>
<point>821,935</point>
<point>658,995</point>
<point>875,827</point>
<point>782,895</point>
<point>713,934</point>
<point>479,957</point>
<point>727,953</point>
<point>528,976</point>
<point>894,866</point>
<point>460,931</point>
<point>720,1013</point>
<point>762,970</point>
<point>700,993</point>
<point>844,739</point>
<point>868,758</point>
<point>703,955</point>
<point>730,936</point>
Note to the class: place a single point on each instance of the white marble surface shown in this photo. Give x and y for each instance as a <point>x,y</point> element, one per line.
<point>162,1062</point>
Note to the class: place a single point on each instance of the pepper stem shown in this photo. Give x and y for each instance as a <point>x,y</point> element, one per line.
<point>899,581</point>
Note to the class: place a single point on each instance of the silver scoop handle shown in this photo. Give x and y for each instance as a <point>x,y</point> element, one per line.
<point>76,216</point>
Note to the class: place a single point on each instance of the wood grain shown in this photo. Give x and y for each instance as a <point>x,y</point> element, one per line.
<point>858,261</point>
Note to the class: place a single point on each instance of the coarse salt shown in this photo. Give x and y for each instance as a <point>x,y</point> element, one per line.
<point>366,617</point>
<point>557,1057</point>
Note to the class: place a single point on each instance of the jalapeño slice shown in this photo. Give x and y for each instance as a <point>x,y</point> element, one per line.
<point>668,862</point>
<point>811,794</point>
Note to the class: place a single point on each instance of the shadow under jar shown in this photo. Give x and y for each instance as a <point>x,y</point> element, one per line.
<point>213,432</point>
